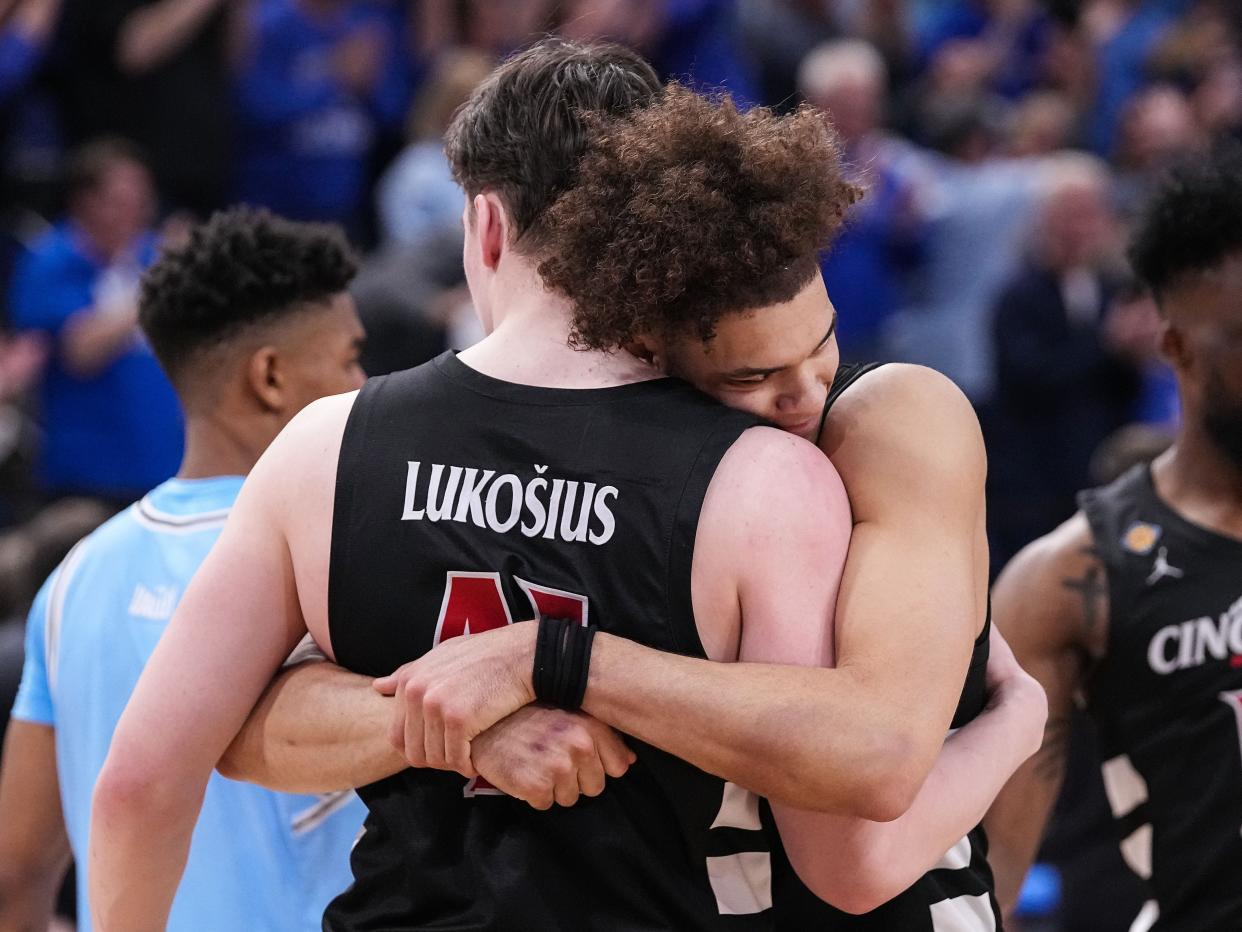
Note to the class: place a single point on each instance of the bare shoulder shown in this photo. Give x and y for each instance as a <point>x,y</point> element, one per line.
<point>300,464</point>
<point>900,427</point>
<point>1056,590</point>
<point>771,490</point>
<point>770,467</point>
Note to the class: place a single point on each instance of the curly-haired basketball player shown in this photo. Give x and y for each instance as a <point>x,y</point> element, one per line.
<point>529,475</point>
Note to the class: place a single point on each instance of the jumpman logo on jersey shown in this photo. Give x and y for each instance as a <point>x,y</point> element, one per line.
<point>1163,568</point>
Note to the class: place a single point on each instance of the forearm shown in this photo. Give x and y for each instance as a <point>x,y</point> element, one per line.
<point>155,33</point>
<point>812,738</point>
<point>94,338</point>
<point>316,729</point>
<point>1015,822</point>
<point>858,865</point>
<point>140,838</point>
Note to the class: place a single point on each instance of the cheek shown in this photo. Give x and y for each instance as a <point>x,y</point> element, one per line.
<point>760,401</point>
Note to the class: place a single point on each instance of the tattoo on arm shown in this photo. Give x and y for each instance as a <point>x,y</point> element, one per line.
<point>1050,760</point>
<point>1092,589</point>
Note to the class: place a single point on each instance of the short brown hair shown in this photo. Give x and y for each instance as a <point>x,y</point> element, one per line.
<point>688,210</point>
<point>522,133</point>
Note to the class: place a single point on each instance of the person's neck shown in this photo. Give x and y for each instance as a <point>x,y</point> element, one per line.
<point>216,446</point>
<point>530,346</point>
<point>1200,482</point>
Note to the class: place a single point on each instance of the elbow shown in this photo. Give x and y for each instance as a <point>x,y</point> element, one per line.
<point>863,884</point>
<point>129,791</point>
<point>889,777</point>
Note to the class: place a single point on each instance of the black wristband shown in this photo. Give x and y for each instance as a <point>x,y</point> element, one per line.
<point>547,657</point>
<point>584,638</point>
<point>562,662</point>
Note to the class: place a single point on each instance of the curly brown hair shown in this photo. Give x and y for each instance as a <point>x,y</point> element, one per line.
<point>687,210</point>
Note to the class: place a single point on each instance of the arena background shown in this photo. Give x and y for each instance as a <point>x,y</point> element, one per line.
<point>1005,144</point>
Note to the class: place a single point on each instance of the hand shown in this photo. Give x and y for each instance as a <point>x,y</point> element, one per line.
<point>458,690</point>
<point>1009,685</point>
<point>543,755</point>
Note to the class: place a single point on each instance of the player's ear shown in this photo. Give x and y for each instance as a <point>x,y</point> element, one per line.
<point>1173,347</point>
<point>491,226</point>
<point>648,349</point>
<point>265,378</point>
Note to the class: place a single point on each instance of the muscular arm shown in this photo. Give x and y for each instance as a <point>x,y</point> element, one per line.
<point>34,847</point>
<point>204,677</point>
<point>1051,603</point>
<point>858,865</point>
<point>317,728</point>
<point>913,465</point>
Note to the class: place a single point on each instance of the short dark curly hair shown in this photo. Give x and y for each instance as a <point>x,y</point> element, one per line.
<point>689,210</point>
<point>522,132</point>
<point>244,267</point>
<point>1192,222</point>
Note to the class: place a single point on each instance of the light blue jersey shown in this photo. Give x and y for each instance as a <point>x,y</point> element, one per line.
<point>259,860</point>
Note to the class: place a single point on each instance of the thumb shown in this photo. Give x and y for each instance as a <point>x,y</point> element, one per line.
<point>386,685</point>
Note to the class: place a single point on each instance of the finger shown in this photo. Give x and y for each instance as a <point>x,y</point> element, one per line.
<point>613,752</point>
<point>541,801</point>
<point>433,735</point>
<point>396,726</point>
<point>457,746</point>
<point>387,685</point>
<point>591,777</point>
<point>565,789</point>
<point>413,745</point>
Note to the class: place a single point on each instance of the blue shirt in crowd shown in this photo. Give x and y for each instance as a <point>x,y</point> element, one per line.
<point>304,138</point>
<point>259,861</point>
<point>117,433</point>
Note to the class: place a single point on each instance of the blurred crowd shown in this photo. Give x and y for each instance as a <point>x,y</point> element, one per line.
<point>1005,146</point>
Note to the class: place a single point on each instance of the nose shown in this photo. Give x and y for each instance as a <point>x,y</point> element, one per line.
<point>803,398</point>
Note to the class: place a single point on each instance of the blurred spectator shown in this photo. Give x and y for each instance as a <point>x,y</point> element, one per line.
<point>977,208</point>
<point>1003,40</point>
<point>1067,374</point>
<point>883,236</point>
<point>413,303</point>
<point>154,71</point>
<point>112,424</point>
<point>1134,326</point>
<point>777,36</point>
<point>417,195</point>
<point>1123,33</point>
<point>697,42</point>
<point>24,35</point>
<point>1158,125</point>
<point>1039,124</point>
<point>1218,99</point>
<point>493,28</point>
<point>317,79</point>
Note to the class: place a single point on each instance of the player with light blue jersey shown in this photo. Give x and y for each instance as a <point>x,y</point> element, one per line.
<point>252,322</point>
<point>259,860</point>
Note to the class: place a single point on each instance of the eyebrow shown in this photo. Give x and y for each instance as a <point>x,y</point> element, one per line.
<point>750,371</point>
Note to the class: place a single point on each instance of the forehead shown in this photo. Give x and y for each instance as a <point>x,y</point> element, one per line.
<point>774,336</point>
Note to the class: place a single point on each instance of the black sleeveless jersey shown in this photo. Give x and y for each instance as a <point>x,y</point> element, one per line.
<point>464,503</point>
<point>1167,700</point>
<point>958,894</point>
